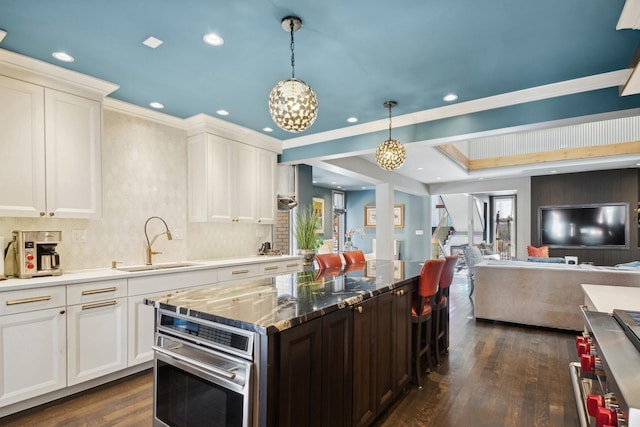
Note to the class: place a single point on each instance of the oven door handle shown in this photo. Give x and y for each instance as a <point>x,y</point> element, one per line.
<point>219,371</point>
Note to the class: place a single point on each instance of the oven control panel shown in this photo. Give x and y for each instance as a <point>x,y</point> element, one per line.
<point>215,335</point>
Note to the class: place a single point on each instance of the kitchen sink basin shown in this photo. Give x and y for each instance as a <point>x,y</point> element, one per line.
<point>153,267</point>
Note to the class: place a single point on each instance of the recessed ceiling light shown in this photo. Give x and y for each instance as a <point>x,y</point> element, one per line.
<point>213,39</point>
<point>554,171</point>
<point>314,182</point>
<point>267,129</point>
<point>339,186</point>
<point>352,119</point>
<point>333,182</point>
<point>157,105</point>
<point>420,168</point>
<point>364,188</point>
<point>222,112</point>
<point>438,178</point>
<point>450,97</point>
<point>64,57</point>
<point>152,42</point>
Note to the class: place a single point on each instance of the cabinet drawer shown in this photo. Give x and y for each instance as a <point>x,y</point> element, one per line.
<point>238,272</point>
<point>96,291</point>
<point>169,282</point>
<point>293,265</point>
<point>272,268</point>
<point>32,299</point>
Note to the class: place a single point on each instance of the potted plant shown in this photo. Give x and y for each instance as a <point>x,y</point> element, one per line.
<point>305,233</point>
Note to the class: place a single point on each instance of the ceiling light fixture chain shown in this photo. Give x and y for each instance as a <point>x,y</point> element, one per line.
<point>391,154</point>
<point>292,104</point>
<point>293,55</point>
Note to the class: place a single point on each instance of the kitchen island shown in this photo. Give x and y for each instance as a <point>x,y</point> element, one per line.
<point>328,348</point>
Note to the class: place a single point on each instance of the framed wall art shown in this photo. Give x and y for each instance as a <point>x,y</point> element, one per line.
<point>318,208</point>
<point>370,216</point>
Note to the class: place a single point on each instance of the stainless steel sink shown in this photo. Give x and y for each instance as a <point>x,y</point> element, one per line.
<point>153,267</point>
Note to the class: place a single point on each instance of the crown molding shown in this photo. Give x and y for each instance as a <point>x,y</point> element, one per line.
<point>145,113</point>
<point>203,123</point>
<point>42,73</point>
<point>569,87</point>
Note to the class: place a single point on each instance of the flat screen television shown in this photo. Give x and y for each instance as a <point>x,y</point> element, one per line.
<point>592,225</point>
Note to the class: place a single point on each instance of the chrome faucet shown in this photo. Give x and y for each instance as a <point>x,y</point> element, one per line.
<point>150,252</point>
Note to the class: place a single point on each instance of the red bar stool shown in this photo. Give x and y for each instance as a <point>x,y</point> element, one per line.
<point>441,335</point>
<point>353,257</point>
<point>328,261</point>
<point>421,313</point>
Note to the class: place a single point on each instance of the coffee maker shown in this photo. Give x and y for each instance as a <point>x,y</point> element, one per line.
<point>35,253</point>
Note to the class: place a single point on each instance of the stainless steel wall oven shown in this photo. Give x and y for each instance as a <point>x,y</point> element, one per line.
<point>204,374</point>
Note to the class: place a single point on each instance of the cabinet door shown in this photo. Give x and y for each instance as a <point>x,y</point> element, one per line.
<point>220,182</point>
<point>364,362</point>
<point>402,336</point>
<point>73,130</point>
<point>385,350</point>
<point>246,181</point>
<point>21,149</point>
<point>300,377</point>
<point>337,368</point>
<point>97,339</point>
<point>141,325</point>
<point>266,190</point>
<point>32,354</point>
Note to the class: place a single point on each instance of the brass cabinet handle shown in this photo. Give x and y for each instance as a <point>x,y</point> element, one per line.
<point>28,300</point>
<point>358,309</point>
<point>41,213</point>
<point>292,265</point>
<point>272,268</point>
<point>52,213</point>
<point>99,304</point>
<point>240,272</point>
<point>99,291</point>
<point>400,292</point>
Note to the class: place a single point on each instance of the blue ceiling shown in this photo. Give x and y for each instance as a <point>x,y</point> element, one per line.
<point>355,54</point>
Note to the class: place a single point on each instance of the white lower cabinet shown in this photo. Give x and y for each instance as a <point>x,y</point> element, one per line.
<point>32,354</point>
<point>141,330</point>
<point>97,339</point>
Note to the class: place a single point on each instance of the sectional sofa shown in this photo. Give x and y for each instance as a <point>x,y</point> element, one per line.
<point>541,294</point>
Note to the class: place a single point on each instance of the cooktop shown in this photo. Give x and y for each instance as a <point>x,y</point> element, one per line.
<point>630,322</point>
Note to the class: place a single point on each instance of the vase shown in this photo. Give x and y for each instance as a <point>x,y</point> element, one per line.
<point>308,255</point>
<point>348,245</point>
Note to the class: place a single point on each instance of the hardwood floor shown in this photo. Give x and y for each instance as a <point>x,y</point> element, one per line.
<point>494,375</point>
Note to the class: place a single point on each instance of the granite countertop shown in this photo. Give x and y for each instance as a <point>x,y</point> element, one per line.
<point>98,274</point>
<point>273,304</point>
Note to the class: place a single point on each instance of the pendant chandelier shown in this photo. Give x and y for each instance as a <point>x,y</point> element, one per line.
<point>390,155</point>
<point>292,103</point>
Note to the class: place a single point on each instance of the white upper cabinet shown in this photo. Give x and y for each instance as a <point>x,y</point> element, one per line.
<point>266,190</point>
<point>51,142</point>
<point>73,155</point>
<point>21,148</point>
<point>230,181</point>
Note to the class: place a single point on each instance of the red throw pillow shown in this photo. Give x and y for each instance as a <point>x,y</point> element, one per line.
<point>541,252</point>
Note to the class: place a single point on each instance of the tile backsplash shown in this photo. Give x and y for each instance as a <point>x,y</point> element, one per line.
<point>144,174</point>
